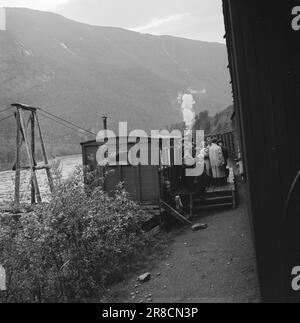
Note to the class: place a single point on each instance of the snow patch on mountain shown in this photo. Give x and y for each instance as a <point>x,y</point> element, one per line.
<point>64,46</point>
<point>27,52</point>
<point>24,49</point>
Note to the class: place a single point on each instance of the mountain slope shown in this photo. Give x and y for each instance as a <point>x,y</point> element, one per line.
<point>81,72</point>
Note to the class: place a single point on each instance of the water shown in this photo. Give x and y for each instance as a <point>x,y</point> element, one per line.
<point>7,186</point>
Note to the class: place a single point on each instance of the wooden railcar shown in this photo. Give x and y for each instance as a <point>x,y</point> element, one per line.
<point>143,183</point>
<point>147,184</point>
<point>263,47</point>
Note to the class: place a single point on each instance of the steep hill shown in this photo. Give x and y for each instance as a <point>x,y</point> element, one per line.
<point>81,72</point>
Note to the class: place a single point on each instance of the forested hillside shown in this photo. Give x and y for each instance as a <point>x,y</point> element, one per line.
<point>82,72</point>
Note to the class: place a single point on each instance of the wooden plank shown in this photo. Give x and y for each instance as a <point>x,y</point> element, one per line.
<point>175,214</point>
<point>42,167</point>
<point>218,189</point>
<point>36,167</point>
<point>207,207</point>
<point>30,158</point>
<point>33,200</point>
<point>18,163</point>
<point>49,175</point>
<point>213,199</point>
<point>21,143</point>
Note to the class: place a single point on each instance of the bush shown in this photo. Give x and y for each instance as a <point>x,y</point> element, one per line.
<point>75,246</point>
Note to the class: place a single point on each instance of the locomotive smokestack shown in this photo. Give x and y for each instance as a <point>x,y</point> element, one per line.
<point>105,125</point>
<point>104,122</point>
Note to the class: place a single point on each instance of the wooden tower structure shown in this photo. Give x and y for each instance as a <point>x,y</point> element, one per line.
<point>26,134</point>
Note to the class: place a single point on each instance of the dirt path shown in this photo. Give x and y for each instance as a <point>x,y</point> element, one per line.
<point>215,265</point>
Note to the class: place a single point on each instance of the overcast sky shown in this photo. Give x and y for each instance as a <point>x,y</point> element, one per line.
<point>195,19</point>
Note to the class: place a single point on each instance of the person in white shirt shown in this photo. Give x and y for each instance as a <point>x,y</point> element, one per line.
<point>217,162</point>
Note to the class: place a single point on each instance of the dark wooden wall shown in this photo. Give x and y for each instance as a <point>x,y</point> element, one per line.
<point>264,55</point>
<point>141,182</point>
<point>229,142</point>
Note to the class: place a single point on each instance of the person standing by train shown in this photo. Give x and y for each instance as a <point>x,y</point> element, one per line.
<point>208,144</point>
<point>203,161</point>
<point>204,153</point>
<point>217,162</point>
<point>224,151</point>
<point>225,155</point>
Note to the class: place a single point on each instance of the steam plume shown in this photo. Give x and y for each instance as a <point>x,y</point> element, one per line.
<point>187,106</point>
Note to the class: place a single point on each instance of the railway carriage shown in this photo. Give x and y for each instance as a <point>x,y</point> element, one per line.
<point>263,47</point>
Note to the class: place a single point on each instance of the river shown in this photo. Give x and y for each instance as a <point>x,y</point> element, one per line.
<point>66,165</point>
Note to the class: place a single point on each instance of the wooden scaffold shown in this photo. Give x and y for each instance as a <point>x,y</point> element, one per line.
<point>22,137</point>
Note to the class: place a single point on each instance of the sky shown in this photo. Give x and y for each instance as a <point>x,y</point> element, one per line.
<point>194,19</point>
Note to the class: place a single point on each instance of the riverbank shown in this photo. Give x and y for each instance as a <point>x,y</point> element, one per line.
<point>67,166</point>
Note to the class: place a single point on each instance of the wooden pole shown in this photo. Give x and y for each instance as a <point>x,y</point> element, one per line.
<point>33,200</point>
<point>175,213</point>
<point>18,164</point>
<point>48,171</point>
<point>30,157</point>
<point>21,143</point>
<point>139,183</point>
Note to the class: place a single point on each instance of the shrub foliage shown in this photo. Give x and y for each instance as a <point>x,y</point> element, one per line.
<point>72,248</point>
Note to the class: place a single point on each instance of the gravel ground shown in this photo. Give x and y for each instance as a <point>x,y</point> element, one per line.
<point>211,266</point>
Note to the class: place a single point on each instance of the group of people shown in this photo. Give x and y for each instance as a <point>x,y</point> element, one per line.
<point>215,156</point>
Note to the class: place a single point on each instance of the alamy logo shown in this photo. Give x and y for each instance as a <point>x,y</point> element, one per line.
<point>159,148</point>
<point>296,18</point>
<point>2,279</point>
<point>2,19</point>
<point>296,279</point>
